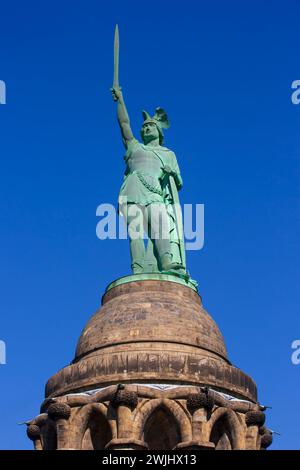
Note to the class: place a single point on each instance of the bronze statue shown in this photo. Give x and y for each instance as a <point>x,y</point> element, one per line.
<point>150,190</point>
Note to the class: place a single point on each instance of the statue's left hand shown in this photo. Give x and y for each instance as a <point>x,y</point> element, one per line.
<point>168,170</point>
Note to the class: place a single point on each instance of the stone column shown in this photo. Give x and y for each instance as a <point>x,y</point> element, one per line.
<point>254,420</point>
<point>200,406</point>
<point>126,444</point>
<point>60,413</point>
<point>124,401</point>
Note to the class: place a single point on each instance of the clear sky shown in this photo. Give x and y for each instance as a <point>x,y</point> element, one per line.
<point>223,71</point>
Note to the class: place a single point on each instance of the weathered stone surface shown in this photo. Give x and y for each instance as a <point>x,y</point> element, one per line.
<point>266,440</point>
<point>33,432</point>
<point>151,311</point>
<point>59,411</point>
<point>151,331</point>
<point>255,417</point>
<point>199,400</point>
<point>161,419</point>
<point>123,397</point>
<point>146,333</point>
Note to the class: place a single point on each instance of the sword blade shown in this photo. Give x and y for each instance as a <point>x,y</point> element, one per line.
<point>116,58</point>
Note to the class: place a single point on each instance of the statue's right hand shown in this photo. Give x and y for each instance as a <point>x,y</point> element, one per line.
<point>116,93</point>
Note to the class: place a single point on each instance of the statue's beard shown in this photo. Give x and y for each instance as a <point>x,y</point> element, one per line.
<point>149,138</point>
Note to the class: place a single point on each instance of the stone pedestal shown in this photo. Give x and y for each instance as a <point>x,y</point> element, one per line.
<point>150,372</point>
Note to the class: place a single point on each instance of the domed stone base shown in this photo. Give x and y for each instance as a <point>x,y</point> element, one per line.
<point>150,372</point>
<point>151,331</point>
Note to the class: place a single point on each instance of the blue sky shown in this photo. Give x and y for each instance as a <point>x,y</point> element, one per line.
<point>223,71</point>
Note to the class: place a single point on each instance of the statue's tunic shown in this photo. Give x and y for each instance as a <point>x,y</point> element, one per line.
<point>144,168</point>
<point>143,185</point>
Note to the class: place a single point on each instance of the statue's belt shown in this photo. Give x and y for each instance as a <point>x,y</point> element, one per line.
<point>149,186</point>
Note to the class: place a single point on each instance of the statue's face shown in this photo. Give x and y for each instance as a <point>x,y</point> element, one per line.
<point>150,132</point>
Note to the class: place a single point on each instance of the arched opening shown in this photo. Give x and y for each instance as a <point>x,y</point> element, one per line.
<point>220,435</point>
<point>161,431</point>
<point>97,434</point>
<point>225,430</point>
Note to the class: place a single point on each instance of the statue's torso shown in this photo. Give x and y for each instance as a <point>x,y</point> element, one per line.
<point>143,172</point>
<point>143,159</point>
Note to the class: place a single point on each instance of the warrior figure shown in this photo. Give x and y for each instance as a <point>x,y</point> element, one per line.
<point>149,194</point>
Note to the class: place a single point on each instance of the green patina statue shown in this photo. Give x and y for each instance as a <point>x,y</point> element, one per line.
<point>149,193</point>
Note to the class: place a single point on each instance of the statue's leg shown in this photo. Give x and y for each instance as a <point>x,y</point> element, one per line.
<point>176,247</point>
<point>137,253</point>
<point>159,232</point>
<point>135,227</point>
<point>150,264</point>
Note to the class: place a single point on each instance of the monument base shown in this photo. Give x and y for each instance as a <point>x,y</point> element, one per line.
<point>154,417</point>
<point>150,371</point>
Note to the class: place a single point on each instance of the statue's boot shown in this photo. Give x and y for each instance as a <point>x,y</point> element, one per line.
<point>137,252</point>
<point>168,265</point>
<point>137,267</point>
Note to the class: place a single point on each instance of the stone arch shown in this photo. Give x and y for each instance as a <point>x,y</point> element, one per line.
<point>162,424</point>
<point>92,427</point>
<point>225,430</point>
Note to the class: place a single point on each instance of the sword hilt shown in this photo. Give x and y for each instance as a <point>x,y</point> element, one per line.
<point>113,89</point>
